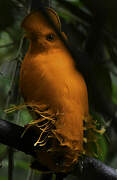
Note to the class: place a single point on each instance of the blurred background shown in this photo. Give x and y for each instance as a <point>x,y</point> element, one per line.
<point>92,36</point>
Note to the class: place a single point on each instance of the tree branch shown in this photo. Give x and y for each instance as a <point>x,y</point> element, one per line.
<point>95,169</point>
<point>11,135</point>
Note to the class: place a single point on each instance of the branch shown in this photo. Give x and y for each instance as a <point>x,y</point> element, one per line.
<point>11,135</point>
<point>95,169</point>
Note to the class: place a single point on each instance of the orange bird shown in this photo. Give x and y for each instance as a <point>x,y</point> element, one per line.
<point>55,92</point>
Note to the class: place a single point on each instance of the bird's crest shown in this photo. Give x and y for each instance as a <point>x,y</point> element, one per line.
<point>38,17</point>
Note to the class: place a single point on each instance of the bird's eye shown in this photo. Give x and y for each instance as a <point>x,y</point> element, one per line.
<point>50,37</point>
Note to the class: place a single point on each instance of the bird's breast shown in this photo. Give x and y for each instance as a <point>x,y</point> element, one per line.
<point>51,79</point>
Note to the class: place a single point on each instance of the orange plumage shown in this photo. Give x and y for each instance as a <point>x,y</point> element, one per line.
<point>50,83</point>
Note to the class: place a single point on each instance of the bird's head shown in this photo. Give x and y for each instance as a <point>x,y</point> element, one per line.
<point>41,28</point>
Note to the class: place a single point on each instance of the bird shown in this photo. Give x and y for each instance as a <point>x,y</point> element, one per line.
<point>54,92</point>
